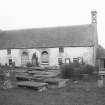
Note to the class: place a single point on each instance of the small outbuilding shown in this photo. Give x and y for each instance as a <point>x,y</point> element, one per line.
<point>101,57</point>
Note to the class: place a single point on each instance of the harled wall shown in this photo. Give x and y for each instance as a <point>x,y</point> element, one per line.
<point>69,52</point>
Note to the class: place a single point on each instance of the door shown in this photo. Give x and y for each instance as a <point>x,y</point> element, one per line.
<point>24,58</point>
<point>35,60</point>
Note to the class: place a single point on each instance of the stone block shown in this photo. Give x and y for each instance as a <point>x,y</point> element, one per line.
<point>33,85</point>
<point>57,81</point>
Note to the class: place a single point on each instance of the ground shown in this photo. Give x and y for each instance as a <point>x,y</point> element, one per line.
<point>81,93</point>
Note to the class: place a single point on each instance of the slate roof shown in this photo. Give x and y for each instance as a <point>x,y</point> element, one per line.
<point>100,52</point>
<point>81,35</point>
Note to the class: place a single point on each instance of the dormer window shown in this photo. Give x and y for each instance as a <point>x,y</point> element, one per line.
<point>61,50</point>
<point>9,51</point>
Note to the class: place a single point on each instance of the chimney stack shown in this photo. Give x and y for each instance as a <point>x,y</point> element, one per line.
<point>94,16</point>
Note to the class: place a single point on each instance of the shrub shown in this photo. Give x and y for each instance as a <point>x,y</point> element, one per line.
<point>74,70</point>
<point>87,69</point>
<point>67,70</point>
<point>29,64</point>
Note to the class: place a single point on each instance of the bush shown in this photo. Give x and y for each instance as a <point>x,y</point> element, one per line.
<point>74,70</point>
<point>29,64</point>
<point>67,70</point>
<point>87,69</point>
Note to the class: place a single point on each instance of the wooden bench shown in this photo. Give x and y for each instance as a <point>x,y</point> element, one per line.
<point>33,85</point>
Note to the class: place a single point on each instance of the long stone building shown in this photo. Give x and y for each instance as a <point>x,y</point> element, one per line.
<point>50,46</point>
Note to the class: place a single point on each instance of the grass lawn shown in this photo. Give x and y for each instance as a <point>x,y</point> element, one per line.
<point>81,93</point>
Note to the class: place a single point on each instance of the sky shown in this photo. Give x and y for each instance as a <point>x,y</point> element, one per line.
<point>20,14</point>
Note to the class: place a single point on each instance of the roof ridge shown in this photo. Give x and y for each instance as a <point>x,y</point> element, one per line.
<point>48,27</point>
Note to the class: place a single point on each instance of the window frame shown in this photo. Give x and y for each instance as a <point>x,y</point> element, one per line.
<point>67,59</point>
<point>9,51</point>
<point>75,60</point>
<point>61,49</point>
<point>43,55</point>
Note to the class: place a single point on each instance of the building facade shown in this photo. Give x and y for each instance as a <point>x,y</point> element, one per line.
<point>50,46</point>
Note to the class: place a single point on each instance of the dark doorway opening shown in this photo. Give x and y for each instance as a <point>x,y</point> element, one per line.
<point>10,62</point>
<point>35,60</point>
<point>104,63</point>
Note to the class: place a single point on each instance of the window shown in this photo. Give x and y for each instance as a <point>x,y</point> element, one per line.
<point>25,53</point>
<point>60,61</point>
<point>10,61</point>
<point>67,60</point>
<point>81,60</point>
<point>61,49</point>
<point>9,51</point>
<point>45,58</point>
<point>102,63</point>
<point>44,52</point>
<point>24,58</point>
<point>75,60</point>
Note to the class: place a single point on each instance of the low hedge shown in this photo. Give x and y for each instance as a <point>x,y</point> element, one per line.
<point>76,70</point>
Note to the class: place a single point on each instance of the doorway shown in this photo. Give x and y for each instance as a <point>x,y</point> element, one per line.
<point>24,58</point>
<point>35,60</point>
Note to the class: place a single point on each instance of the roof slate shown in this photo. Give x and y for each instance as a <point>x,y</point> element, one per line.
<point>81,35</point>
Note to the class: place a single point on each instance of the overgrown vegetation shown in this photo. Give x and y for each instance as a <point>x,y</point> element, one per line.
<point>77,70</point>
<point>29,64</point>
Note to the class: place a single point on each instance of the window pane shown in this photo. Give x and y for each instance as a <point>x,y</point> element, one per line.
<point>45,58</point>
<point>67,60</point>
<point>8,51</point>
<point>24,58</point>
<point>75,59</point>
<point>60,61</point>
<point>61,50</point>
